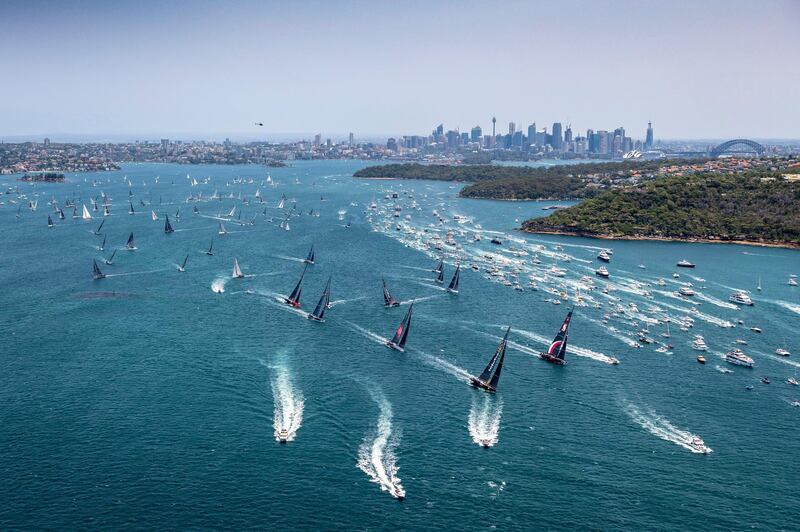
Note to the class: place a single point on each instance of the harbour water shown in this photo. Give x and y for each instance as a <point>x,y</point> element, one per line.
<point>149,400</point>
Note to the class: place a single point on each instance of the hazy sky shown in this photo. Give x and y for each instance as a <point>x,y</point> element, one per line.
<point>697,69</point>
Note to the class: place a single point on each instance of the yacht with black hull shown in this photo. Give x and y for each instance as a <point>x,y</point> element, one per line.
<point>96,273</point>
<point>491,374</point>
<point>685,264</point>
<point>294,298</point>
<point>398,341</point>
<point>322,305</point>
<point>558,349</point>
<point>310,258</point>
<point>453,286</point>
<point>388,300</point>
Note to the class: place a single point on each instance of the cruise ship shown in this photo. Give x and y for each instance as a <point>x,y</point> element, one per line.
<point>741,298</point>
<point>738,358</point>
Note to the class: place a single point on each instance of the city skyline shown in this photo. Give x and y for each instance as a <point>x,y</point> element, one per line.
<point>145,69</point>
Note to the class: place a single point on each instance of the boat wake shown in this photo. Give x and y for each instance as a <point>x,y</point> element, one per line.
<point>416,299</point>
<point>788,306</point>
<point>343,301</point>
<point>136,273</point>
<point>715,301</point>
<point>661,427</point>
<point>441,364</point>
<point>367,333</point>
<point>483,421</point>
<point>218,284</point>
<point>288,405</point>
<point>286,257</point>
<point>376,455</point>
<point>573,349</point>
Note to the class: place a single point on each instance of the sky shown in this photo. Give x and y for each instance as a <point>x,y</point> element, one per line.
<point>206,69</point>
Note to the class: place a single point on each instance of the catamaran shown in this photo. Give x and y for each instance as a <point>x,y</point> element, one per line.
<point>491,374</point>
<point>294,298</point>
<point>130,246</point>
<point>388,300</point>
<point>86,215</point>
<point>110,260</point>
<point>398,341</point>
<point>168,226</point>
<point>96,273</point>
<point>182,267</point>
<point>322,305</point>
<point>558,349</point>
<point>97,231</point>
<point>310,257</point>
<point>237,272</point>
<point>453,286</point>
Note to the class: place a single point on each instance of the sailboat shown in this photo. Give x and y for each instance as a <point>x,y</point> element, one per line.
<point>210,250</point>
<point>440,276</point>
<point>222,230</point>
<point>398,341</point>
<point>182,267</point>
<point>388,300</point>
<point>97,231</point>
<point>195,210</point>
<point>96,273</point>
<point>237,272</point>
<point>106,212</point>
<point>294,297</point>
<point>759,284</point>
<point>130,245</point>
<point>103,245</point>
<point>61,214</point>
<point>233,212</point>
<point>86,215</point>
<point>349,222</point>
<point>310,257</point>
<point>282,202</point>
<point>110,260</point>
<point>49,221</point>
<point>130,209</point>
<point>453,286</point>
<point>558,349</point>
<point>167,226</point>
<point>439,267</point>
<point>491,374</point>
<point>322,305</point>
<point>154,216</point>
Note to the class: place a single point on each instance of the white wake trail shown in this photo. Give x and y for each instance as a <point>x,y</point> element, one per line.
<point>661,427</point>
<point>483,421</point>
<point>376,455</point>
<point>289,404</point>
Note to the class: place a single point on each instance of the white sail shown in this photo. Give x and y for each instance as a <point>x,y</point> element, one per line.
<point>86,215</point>
<point>154,216</point>
<point>237,272</point>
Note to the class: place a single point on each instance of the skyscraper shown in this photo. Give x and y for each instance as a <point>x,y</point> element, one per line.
<point>558,139</point>
<point>532,134</point>
<point>476,133</point>
<point>648,141</point>
<point>568,134</point>
<point>350,140</point>
<point>512,127</point>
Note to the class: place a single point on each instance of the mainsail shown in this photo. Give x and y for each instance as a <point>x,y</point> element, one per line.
<point>222,230</point>
<point>110,260</point>
<point>237,272</point>
<point>294,297</point>
<point>96,273</point>
<point>453,287</point>
<point>322,305</point>
<point>99,227</point>
<point>558,348</point>
<point>154,216</point>
<point>182,267</point>
<point>398,341</point>
<point>440,276</point>
<point>49,221</point>
<point>130,244</point>
<point>388,300</point>
<point>130,210</point>
<point>491,374</point>
<point>167,226</point>
<point>439,267</point>
<point>210,250</point>
<point>86,215</point>
<point>310,257</point>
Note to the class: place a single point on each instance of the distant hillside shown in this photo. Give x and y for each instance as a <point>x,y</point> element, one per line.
<point>701,207</point>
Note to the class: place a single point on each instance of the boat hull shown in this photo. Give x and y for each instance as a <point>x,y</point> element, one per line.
<point>553,360</point>
<point>394,346</point>
<point>291,303</point>
<point>314,318</point>
<point>477,383</point>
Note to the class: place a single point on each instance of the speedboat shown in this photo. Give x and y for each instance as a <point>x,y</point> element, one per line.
<point>697,444</point>
<point>604,256</point>
<point>685,264</point>
<point>741,298</point>
<point>792,381</point>
<point>602,271</point>
<point>738,358</point>
<point>701,359</point>
<point>792,281</point>
<point>686,291</point>
<point>755,329</point>
<point>764,380</point>
<point>486,443</point>
<point>782,352</point>
<point>283,435</point>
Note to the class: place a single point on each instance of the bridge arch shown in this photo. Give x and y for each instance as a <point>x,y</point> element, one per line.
<point>737,146</point>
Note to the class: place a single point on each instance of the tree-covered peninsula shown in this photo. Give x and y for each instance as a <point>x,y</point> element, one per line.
<point>704,207</point>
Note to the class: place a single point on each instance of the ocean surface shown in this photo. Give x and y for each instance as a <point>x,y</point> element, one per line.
<point>152,398</point>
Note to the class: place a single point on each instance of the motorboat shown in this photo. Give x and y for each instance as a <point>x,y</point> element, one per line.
<point>740,298</point>
<point>755,329</point>
<point>685,264</point>
<point>699,445</point>
<point>782,352</point>
<point>792,381</point>
<point>701,359</point>
<point>686,291</point>
<point>738,358</point>
<point>604,256</point>
<point>602,271</point>
<point>764,380</point>
<point>283,435</point>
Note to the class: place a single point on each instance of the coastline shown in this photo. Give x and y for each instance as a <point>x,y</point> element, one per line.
<point>694,240</point>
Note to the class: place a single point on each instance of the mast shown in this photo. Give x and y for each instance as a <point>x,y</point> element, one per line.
<point>439,267</point>
<point>99,227</point>
<point>110,259</point>
<point>210,248</point>
<point>491,374</point>
<point>440,276</point>
<point>183,266</point>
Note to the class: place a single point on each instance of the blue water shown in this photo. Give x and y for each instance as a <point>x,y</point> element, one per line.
<point>146,400</point>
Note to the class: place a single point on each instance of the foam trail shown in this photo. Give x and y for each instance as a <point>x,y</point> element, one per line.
<point>788,306</point>
<point>417,299</point>
<point>285,257</point>
<point>483,421</point>
<point>573,349</point>
<point>289,404</point>
<point>218,284</point>
<point>715,301</point>
<point>416,268</point>
<point>442,364</point>
<point>343,301</point>
<point>136,273</point>
<point>661,427</point>
<point>376,455</point>
<point>367,333</point>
